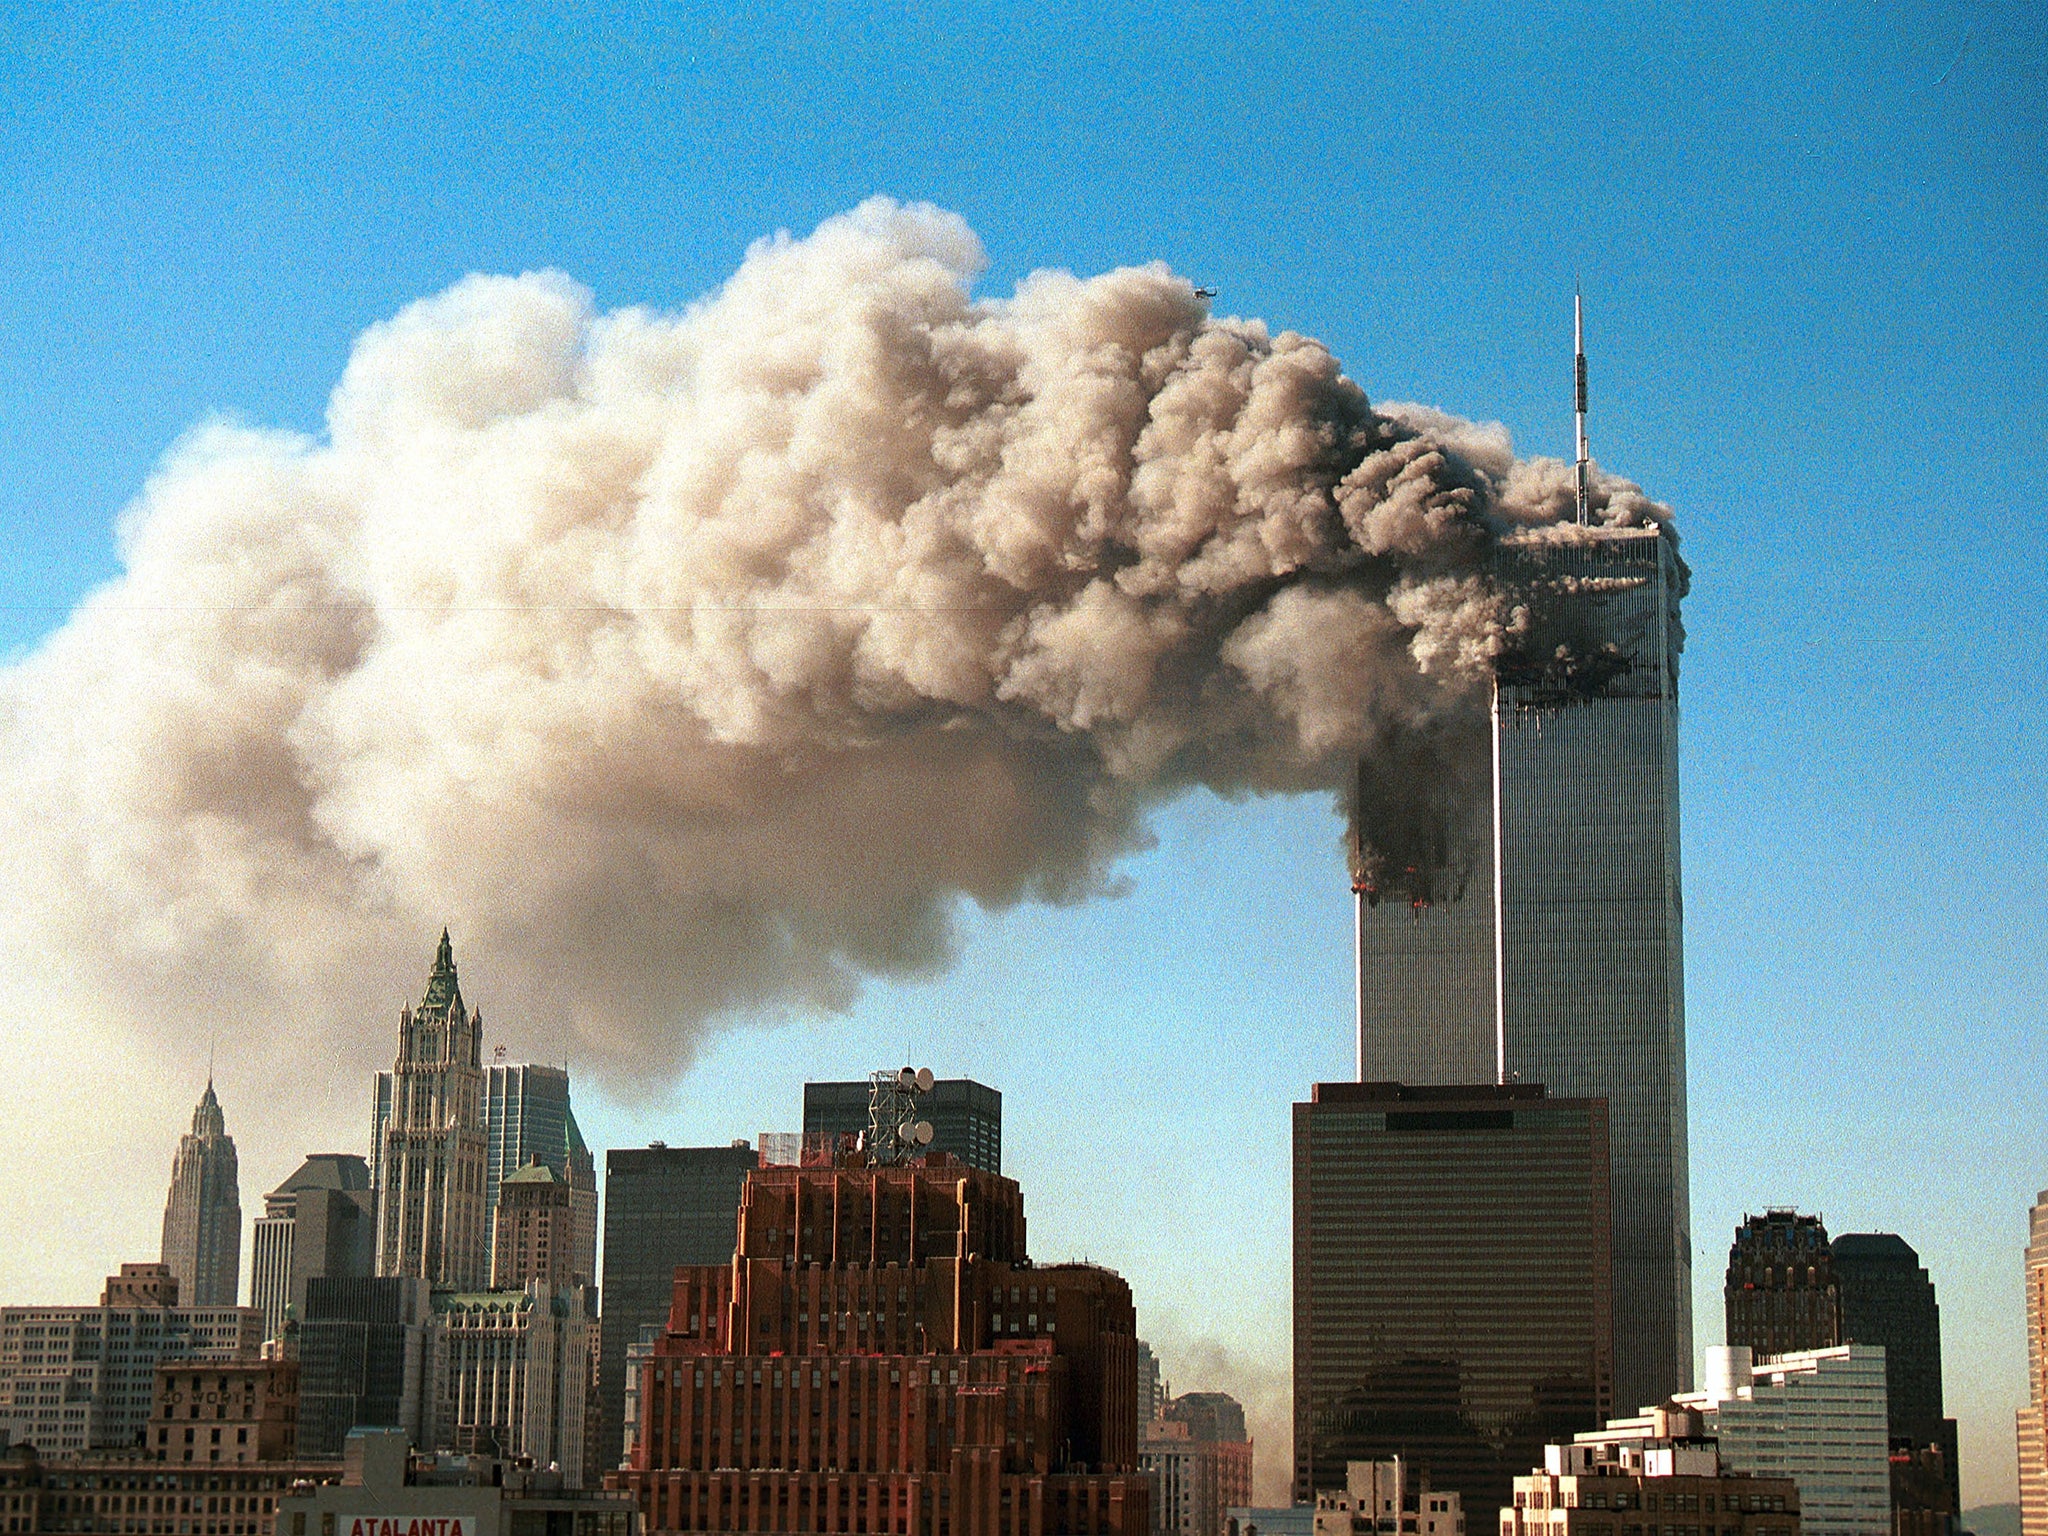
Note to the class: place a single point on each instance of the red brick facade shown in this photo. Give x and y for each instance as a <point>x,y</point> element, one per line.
<point>881,1357</point>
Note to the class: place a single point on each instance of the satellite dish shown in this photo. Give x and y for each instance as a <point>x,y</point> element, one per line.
<point>924,1080</point>
<point>905,1080</point>
<point>921,1133</point>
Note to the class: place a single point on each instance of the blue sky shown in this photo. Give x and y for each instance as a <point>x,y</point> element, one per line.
<point>1813,245</point>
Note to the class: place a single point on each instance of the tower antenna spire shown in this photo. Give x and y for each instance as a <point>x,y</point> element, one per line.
<point>1579,396</point>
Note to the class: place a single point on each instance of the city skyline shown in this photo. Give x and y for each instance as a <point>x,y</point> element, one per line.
<point>1814,336</point>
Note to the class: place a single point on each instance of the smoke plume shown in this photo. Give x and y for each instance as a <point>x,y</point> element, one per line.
<point>692,665</point>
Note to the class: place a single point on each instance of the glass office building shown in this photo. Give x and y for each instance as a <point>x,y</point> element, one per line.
<point>966,1117</point>
<point>1453,1284</point>
<point>1568,969</point>
<point>664,1207</point>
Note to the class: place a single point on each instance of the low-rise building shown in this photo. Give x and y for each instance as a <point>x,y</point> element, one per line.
<point>74,1379</point>
<point>103,1495</point>
<point>385,1489</point>
<point>226,1411</point>
<point>1657,1475</point>
<point>1270,1520</point>
<point>1388,1496</point>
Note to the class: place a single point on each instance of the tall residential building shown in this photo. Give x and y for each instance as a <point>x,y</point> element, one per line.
<point>365,1357</point>
<point>536,1231</point>
<point>320,1221</point>
<point>203,1214</point>
<point>1200,1461</point>
<point>2033,1419</point>
<point>512,1374</point>
<point>431,1217</point>
<point>882,1355</point>
<point>1665,1463</point>
<point>84,1378</point>
<point>1568,968</point>
<point>1780,1293</point>
<point>1888,1299</point>
<point>1453,1282</point>
<point>1816,1416</point>
<point>966,1117</point>
<point>664,1207</point>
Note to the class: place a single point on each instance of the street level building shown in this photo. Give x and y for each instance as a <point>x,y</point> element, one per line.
<point>74,1379</point>
<point>2033,1418</point>
<point>320,1221</point>
<point>386,1490</point>
<point>881,1355</point>
<point>512,1373</point>
<point>1452,1281</point>
<point>1200,1461</point>
<point>364,1358</point>
<point>203,1212</point>
<point>664,1207</point>
<point>966,1117</point>
<point>431,1218</point>
<point>225,1411</point>
<point>1387,1497</point>
<point>108,1495</point>
<point>1780,1295</point>
<point>1567,969</point>
<point>1661,1472</point>
<point>1270,1520</point>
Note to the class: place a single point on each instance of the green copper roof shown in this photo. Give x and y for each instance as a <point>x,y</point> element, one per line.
<point>442,989</point>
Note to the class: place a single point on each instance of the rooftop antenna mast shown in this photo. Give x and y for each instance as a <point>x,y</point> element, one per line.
<point>1579,394</point>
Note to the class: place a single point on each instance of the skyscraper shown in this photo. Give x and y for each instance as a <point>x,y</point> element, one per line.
<point>966,1117</point>
<point>1888,1299</point>
<point>365,1357</point>
<point>1780,1294</point>
<point>2033,1419</point>
<point>1453,1283</point>
<point>431,1217</point>
<point>527,1115</point>
<point>1567,969</point>
<point>203,1215</point>
<point>663,1207</point>
<point>320,1221</point>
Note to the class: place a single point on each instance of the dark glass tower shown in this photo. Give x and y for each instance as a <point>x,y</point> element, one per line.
<point>1453,1281</point>
<point>1780,1294</point>
<point>664,1207</point>
<point>1568,970</point>
<point>1888,1299</point>
<point>966,1117</point>
<point>203,1213</point>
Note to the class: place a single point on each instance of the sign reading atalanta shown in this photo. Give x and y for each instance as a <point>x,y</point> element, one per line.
<point>411,1525</point>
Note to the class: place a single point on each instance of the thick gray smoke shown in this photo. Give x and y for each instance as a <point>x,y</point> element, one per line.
<point>698,664</point>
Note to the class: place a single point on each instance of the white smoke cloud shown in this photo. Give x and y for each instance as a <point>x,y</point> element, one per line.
<point>696,665</point>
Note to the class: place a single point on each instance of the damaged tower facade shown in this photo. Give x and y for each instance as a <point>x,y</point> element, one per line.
<point>1555,955</point>
<point>1561,962</point>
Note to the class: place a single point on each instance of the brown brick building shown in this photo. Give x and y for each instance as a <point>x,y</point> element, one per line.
<point>881,1356</point>
<point>214,1411</point>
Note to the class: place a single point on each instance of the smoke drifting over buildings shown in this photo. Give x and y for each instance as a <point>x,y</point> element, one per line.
<point>695,663</point>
